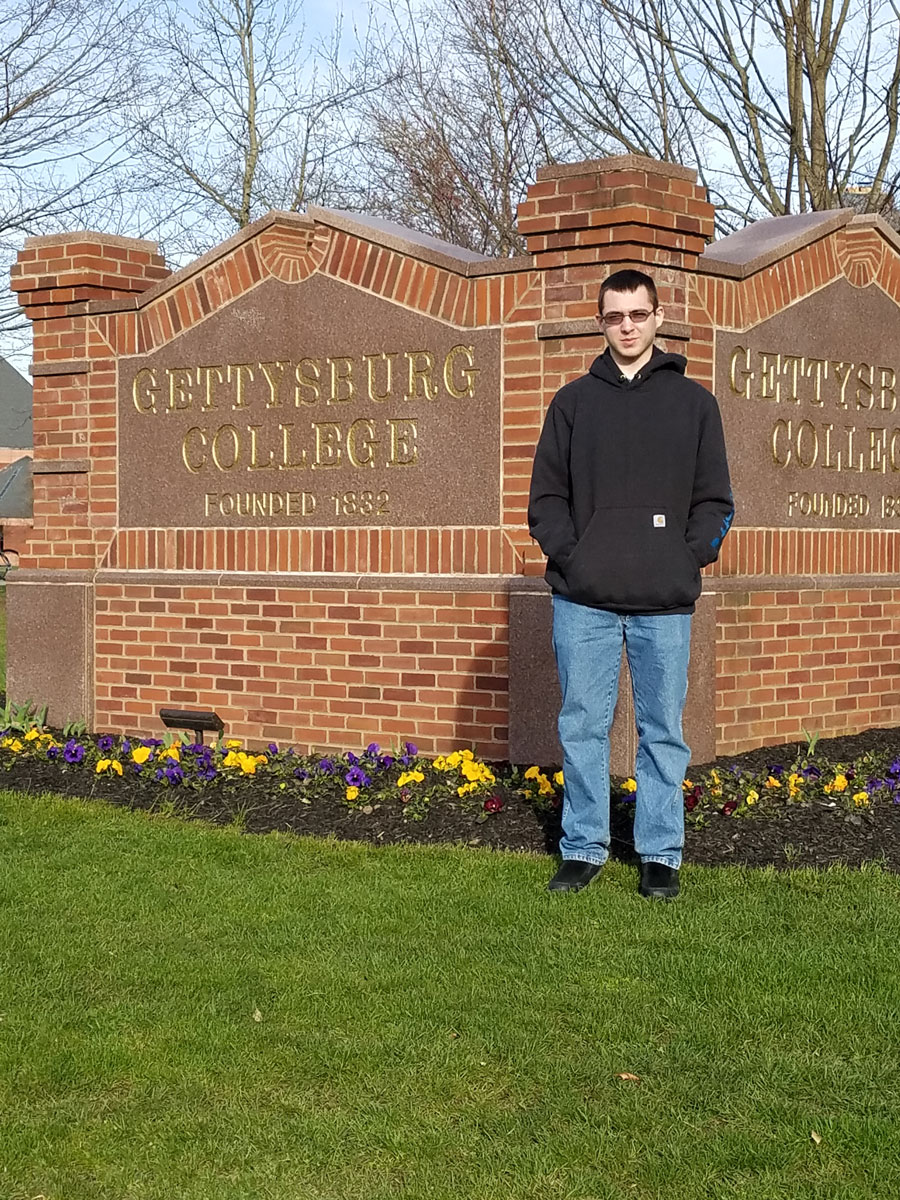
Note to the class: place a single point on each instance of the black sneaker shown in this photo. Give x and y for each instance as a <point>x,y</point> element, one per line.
<point>658,882</point>
<point>573,875</point>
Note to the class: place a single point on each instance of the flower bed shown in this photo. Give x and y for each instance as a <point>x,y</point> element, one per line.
<point>402,795</point>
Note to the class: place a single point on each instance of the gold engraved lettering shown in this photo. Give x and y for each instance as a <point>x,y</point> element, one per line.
<point>205,382</point>
<point>468,373</point>
<point>404,451</point>
<point>740,379</point>
<point>807,440</point>
<point>827,463</point>
<point>421,370</point>
<point>791,365</point>
<point>341,380</point>
<point>877,448</point>
<point>888,388</point>
<point>328,444</point>
<point>287,462</point>
<point>274,373</point>
<point>307,376</point>
<point>198,462</point>
<point>227,432</point>
<point>820,367</point>
<point>300,504</point>
<point>181,380</point>
<point>226,504</point>
<point>769,385</point>
<point>370,360</point>
<point>843,371</point>
<point>145,390</point>
<point>781,433</point>
<point>895,450</point>
<point>864,396</point>
<point>846,459</point>
<point>242,373</point>
<point>360,442</point>
<point>255,464</point>
<point>210,501</point>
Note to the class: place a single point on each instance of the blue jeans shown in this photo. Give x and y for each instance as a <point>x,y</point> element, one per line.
<point>588,646</point>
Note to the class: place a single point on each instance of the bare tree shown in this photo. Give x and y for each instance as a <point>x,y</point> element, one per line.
<point>247,117</point>
<point>451,139</point>
<point>65,66</point>
<point>783,105</point>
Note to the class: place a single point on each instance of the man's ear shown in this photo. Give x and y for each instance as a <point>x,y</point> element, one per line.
<point>660,315</point>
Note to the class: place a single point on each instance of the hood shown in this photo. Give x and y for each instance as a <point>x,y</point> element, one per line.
<point>605,367</point>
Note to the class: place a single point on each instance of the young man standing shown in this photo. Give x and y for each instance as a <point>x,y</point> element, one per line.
<point>630,497</point>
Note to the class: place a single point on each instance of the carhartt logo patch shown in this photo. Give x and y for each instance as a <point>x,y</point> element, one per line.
<point>659,520</point>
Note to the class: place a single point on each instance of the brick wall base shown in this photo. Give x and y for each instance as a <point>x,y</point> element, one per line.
<point>317,667</point>
<point>825,662</point>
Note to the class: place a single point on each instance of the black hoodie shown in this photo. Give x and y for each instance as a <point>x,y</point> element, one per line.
<point>630,494</point>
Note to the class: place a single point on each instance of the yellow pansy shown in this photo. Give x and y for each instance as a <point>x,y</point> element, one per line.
<point>687,785</point>
<point>16,746</point>
<point>840,783</point>
<point>772,782</point>
<point>532,772</point>
<point>752,796</point>
<point>410,777</point>
<point>141,754</point>
<point>441,764</point>
<point>351,793</point>
<point>173,751</point>
<point>545,787</point>
<point>32,734</point>
<point>558,779</point>
<point>466,754</point>
<point>466,787</point>
<point>233,744</point>
<point>630,785</point>
<point>861,799</point>
<point>109,764</point>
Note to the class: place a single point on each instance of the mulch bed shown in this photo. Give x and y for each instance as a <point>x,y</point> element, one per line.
<point>790,836</point>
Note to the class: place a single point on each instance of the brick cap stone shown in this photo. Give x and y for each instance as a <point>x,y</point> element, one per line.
<point>617,162</point>
<point>297,220</point>
<point>768,241</point>
<point>397,237</point>
<point>879,224</point>
<point>99,239</point>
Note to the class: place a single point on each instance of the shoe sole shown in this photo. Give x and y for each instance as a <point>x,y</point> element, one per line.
<point>652,895</point>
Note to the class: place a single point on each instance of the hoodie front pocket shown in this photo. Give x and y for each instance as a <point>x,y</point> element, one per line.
<point>633,559</point>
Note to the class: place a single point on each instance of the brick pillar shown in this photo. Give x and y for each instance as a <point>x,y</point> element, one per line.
<point>581,222</point>
<point>620,212</point>
<point>60,281</point>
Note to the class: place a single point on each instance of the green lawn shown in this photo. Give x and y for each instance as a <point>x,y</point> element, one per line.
<point>432,1024</point>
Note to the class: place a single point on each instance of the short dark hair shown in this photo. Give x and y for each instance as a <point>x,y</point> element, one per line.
<point>628,281</point>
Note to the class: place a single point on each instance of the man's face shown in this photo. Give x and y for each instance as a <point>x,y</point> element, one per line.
<point>631,338</point>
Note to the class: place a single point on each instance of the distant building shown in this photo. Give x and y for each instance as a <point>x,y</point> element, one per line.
<point>16,447</point>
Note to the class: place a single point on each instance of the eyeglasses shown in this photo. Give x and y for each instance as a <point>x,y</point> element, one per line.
<point>637,316</point>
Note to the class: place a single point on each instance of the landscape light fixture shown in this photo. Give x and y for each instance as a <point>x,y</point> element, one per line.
<point>192,718</point>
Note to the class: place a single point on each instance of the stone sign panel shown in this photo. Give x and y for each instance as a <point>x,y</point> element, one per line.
<point>312,404</point>
<point>809,400</point>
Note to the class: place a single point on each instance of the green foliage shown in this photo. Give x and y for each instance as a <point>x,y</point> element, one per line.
<point>19,718</point>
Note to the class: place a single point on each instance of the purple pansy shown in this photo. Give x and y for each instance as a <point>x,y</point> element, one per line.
<point>272,748</point>
<point>326,766</point>
<point>53,751</point>
<point>73,751</point>
<point>105,743</point>
<point>356,777</point>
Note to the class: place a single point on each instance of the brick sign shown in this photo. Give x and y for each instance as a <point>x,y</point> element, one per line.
<point>810,403</point>
<point>312,405</point>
